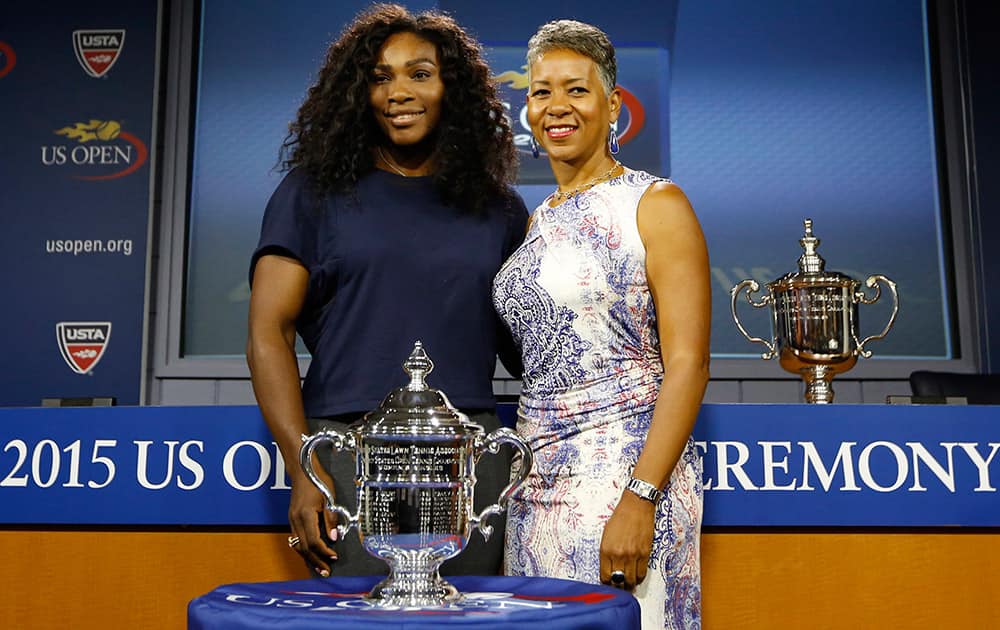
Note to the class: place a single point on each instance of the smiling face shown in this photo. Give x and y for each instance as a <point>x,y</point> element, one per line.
<point>568,111</point>
<point>406,89</point>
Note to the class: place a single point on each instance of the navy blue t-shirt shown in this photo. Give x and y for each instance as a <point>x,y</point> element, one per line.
<point>389,265</point>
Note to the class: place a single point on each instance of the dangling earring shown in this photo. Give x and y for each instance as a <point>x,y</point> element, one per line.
<point>613,141</point>
<point>534,147</point>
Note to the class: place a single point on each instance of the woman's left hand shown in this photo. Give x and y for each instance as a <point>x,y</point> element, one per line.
<point>628,541</point>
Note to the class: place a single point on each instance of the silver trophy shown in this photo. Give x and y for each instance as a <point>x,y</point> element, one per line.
<point>415,477</point>
<point>814,317</point>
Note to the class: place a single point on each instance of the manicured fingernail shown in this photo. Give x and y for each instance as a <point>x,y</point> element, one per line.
<point>333,556</point>
<point>324,573</point>
<point>333,534</point>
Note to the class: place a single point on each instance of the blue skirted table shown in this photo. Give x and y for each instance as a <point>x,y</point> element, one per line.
<point>489,602</point>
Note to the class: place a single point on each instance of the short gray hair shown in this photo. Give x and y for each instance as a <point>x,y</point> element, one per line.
<point>581,38</point>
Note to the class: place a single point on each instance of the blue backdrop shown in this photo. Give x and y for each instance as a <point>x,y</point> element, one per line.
<point>764,115</point>
<point>76,106</point>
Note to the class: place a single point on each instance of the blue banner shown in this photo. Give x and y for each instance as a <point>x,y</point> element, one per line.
<point>78,82</point>
<point>850,465</point>
<point>764,465</point>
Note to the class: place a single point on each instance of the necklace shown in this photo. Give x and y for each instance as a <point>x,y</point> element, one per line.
<point>559,196</point>
<point>389,163</point>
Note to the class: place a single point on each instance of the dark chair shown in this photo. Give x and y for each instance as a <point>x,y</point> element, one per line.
<point>977,389</point>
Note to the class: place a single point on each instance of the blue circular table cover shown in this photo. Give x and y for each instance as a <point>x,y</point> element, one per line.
<point>489,602</point>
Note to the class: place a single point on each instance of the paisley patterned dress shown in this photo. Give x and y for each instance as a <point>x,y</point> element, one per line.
<point>576,298</point>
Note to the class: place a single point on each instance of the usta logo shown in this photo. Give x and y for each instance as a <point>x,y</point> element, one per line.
<point>82,344</point>
<point>98,50</point>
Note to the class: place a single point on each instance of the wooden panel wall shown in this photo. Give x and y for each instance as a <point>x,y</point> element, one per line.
<point>112,579</point>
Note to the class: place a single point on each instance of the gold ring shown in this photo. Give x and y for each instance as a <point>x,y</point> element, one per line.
<point>293,540</point>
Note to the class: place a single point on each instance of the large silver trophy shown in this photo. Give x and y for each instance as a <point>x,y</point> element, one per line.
<point>814,317</point>
<point>415,478</point>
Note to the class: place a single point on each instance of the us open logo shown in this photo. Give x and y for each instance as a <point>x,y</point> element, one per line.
<point>7,58</point>
<point>82,344</point>
<point>102,148</point>
<point>98,50</point>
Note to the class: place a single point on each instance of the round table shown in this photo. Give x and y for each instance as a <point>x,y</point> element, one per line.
<point>489,602</point>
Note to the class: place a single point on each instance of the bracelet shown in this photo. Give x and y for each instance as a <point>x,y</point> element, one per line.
<point>644,490</point>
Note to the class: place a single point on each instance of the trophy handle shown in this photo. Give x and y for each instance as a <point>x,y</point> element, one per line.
<point>872,283</point>
<point>492,444</point>
<point>339,443</point>
<point>751,287</point>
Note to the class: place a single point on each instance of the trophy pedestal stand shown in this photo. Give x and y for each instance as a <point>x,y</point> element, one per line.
<point>819,385</point>
<point>412,584</point>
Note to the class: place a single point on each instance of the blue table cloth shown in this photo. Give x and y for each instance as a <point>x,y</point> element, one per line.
<point>490,602</point>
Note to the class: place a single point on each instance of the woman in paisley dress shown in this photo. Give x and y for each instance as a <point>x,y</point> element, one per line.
<point>608,298</point>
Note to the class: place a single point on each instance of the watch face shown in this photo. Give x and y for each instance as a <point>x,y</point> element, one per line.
<point>643,490</point>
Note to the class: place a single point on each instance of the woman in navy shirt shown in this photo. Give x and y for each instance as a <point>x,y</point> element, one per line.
<point>394,216</point>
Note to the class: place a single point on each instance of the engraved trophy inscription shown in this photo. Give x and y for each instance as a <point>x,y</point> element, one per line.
<point>814,317</point>
<point>415,477</point>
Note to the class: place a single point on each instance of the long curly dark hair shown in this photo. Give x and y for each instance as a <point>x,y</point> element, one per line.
<point>334,130</point>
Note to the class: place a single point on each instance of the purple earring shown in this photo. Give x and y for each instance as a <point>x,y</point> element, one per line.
<point>613,141</point>
<point>534,147</point>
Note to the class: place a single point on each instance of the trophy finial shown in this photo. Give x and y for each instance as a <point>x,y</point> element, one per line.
<point>418,365</point>
<point>810,261</point>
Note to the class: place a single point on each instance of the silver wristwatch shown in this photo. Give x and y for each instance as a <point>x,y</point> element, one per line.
<point>644,490</point>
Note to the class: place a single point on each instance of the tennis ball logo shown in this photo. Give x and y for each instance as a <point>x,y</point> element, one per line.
<point>99,143</point>
<point>108,130</point>
<point>103,130</point>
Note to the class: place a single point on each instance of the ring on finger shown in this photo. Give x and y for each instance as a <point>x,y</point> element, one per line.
<point>293,540</point>
<point>618,578</point>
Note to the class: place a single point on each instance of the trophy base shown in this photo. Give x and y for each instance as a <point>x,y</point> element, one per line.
<point>413,585</point>
<point>402,592</point>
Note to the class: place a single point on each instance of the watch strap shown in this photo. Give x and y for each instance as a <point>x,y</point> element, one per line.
<point>644,490</point>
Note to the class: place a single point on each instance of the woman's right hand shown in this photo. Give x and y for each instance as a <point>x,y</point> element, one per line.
<point>313,523</point>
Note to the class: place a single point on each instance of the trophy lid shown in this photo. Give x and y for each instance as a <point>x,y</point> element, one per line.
<point>417,409</point>
<point>810,261</point>
<point>812,267</point>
